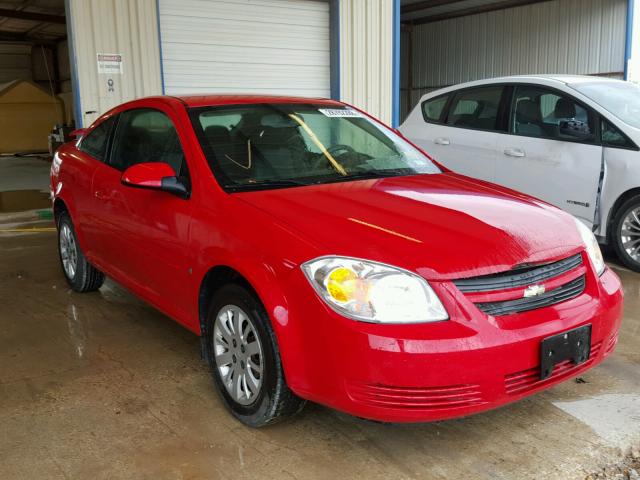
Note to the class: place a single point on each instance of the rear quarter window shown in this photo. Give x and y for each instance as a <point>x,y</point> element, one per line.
<point>432,109</point>
<point>613,137</point>
<point>96,141</point>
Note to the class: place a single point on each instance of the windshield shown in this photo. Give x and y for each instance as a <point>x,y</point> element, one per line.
<point>620,98</point>
<point>250,147</point>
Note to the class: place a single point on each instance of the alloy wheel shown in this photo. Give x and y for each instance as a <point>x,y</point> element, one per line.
<point>238,354</point>
<point>630,234</point>
<point>68,251</point>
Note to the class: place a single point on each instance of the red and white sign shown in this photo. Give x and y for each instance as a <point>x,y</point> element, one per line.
<point>110,63</point>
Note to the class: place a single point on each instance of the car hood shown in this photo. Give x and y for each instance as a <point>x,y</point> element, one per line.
<point>443,225</point>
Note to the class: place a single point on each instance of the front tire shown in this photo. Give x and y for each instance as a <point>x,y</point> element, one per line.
<point>626,233</point>
<point>245,363</point>
<point>80,274</point>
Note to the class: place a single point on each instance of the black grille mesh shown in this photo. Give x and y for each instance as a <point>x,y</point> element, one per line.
<point>518,277</point>
<point>565,292</point>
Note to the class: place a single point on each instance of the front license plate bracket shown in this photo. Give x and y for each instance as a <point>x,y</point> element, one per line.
<point>574,345</point>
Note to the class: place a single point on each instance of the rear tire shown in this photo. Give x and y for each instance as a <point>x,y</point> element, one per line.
<point>246,367</point>
<point>625,235</point>
<point>80,274</point>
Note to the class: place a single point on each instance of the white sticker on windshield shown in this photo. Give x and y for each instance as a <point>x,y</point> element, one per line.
<point>339,112</point>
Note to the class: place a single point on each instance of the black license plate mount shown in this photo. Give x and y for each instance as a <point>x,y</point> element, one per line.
<point>574,345</point>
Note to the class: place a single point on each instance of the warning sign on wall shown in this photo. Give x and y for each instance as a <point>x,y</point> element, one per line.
<point>110,63</point>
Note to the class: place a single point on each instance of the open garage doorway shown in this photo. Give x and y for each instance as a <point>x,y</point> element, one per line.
<point>446,42</point>
<point>36,104</point>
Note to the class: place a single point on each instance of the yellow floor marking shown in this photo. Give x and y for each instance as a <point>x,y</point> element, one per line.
<point>21,230</point>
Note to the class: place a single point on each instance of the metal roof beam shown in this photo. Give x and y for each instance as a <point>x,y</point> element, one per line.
<point>33,16</point>
<point>7,36</point>
<point>492,7</point>
<point>414,7</point>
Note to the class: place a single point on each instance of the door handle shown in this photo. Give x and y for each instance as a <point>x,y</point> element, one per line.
<point>100,195</point>
<point>515,152</point>
<point>442,141</point>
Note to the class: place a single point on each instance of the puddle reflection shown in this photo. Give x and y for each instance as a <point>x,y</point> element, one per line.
<point>76,331</point>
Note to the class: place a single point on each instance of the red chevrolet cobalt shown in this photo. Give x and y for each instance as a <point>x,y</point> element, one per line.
<point>320,256</point>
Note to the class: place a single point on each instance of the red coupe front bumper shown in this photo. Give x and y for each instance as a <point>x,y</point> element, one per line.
<point>468,364</point>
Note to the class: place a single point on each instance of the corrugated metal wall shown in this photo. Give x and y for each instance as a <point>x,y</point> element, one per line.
<point>124,27</point>
<point>560,36</point>
<point>130,28</point>
<point>366,55</point>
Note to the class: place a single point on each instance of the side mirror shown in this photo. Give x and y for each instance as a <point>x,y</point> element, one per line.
<point>155,176</point>
<point>575,129</point>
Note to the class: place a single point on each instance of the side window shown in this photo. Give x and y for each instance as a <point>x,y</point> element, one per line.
<point>146,135</point>
<point>476,108</point>
<point>95,142</point>
<point>432,109</point>
<point>538,112</point>
<point>612,137</point>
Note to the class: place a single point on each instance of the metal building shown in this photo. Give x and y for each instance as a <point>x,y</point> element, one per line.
<point>340,49</point>
<point>380,55</point>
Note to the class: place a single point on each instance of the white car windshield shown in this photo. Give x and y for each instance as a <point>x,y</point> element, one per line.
<point>620,98</point>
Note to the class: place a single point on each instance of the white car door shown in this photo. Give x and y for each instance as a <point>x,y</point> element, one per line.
<point>463,138</point>
<point>551,150</point>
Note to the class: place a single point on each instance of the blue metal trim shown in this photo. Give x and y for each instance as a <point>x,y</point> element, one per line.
<point>629,38</point>
<point>75,84</point>
<point>334,48</point>
<point>160,45</point>
<point>395,82</point>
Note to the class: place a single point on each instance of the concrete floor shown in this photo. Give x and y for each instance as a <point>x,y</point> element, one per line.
<point>102,386</point>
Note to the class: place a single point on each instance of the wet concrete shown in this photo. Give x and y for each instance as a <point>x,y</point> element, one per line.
<point>24,173</point>
<point>102,386</point>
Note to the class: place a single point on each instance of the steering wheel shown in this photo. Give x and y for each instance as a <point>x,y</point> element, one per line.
<point>335,151</point>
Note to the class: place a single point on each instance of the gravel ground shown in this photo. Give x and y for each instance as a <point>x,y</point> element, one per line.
<point>627,469</point>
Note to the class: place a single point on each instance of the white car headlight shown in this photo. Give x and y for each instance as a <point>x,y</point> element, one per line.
<point>373,292</point>
<point>592,247</point>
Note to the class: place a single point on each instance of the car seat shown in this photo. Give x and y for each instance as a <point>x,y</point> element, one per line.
<point>528,118</point>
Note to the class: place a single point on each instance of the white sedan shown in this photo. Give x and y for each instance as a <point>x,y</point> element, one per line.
<point>569,140</point>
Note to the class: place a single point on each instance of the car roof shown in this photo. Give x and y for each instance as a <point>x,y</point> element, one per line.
<point>206,100</point>
<point>562,78</point>
<point>542,79</point>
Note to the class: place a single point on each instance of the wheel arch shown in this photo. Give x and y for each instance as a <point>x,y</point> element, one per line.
<point>616,207</point>
<point>64,204</point>
<point>59,207</point>
<point>261,281</point>
<point>216,277</point>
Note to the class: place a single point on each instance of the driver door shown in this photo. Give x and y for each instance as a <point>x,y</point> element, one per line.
<point>146,232</point>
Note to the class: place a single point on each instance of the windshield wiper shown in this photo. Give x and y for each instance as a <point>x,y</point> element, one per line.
<point>263,185</point>
<point>376,174</point>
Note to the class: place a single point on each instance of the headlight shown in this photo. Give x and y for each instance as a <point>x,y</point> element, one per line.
<point>373,292</point>
<point>592,247</point>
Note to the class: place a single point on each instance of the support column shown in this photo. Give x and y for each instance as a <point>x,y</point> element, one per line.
<point>369,56</point>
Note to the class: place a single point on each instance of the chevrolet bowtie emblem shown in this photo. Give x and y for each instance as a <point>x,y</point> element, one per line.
<point>533,291</point>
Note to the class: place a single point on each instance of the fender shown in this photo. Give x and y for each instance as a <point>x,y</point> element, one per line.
<point>268,285</point>
<point>59,179</point>
<point>65,196</point>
